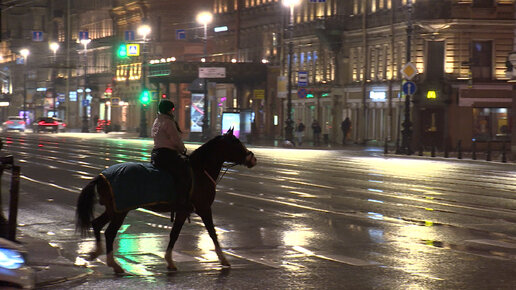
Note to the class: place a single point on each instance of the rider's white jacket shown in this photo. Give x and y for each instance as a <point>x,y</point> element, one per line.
<point>166,135</point>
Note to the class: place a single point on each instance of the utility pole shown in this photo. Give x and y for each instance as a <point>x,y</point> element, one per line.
<point>407,124</point>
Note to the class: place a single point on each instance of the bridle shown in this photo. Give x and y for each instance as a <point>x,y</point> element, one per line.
<point>227,167</point>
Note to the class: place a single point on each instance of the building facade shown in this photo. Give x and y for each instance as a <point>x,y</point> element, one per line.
<point>460,50</point>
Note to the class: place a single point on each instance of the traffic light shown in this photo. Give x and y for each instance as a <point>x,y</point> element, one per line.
<point>164,96</point>
<point>122,51</point>
<point>145,97</point>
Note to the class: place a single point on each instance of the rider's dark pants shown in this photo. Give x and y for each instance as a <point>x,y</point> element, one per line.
<point>177,165</point>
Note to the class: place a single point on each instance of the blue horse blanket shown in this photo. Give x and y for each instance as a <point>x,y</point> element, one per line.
<point>136,185</point>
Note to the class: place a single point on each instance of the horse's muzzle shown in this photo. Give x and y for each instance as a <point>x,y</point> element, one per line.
<point>250,160</point>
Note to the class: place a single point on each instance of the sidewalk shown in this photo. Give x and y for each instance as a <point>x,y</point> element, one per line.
<point>50,267</point>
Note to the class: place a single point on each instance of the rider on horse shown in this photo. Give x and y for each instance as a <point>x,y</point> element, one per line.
<point>169,152</point>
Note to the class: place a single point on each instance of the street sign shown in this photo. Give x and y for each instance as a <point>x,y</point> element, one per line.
<point>85,102</point>
<point>133,49</point>
<point>129,35</point>
<point>180,34</point>
<point>302,93</point>
<point>83,35</point>
<point>115,102</point>
<point>259,94</point>
<point>409,71</point>
<point>302,78</point>
<point>212,72</point>
<point>409,88</point>
<point>37,35</point>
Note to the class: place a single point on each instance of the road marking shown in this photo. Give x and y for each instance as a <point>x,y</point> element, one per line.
<point>495,243</point>
<point>258,261</point>
<point>336,258</point>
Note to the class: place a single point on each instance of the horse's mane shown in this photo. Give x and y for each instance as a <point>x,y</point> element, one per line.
<point>201,152</point>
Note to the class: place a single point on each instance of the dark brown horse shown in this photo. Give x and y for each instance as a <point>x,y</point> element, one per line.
<point>206,163</point>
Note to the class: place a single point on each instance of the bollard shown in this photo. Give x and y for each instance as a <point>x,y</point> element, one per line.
<point>433,151</point>
<point>474,150</point>
<point>421,150</point>
<point>459,149</point>
<point>488,153</point>
<point>386,147</point>
<point>13,203</point>
<point>446,153</point>
<point>504,154</point>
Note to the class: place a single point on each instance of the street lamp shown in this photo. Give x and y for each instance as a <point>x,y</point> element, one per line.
<point>25,53</point>
<point>406,133</point>
<point>54,46</point>
<point>143,30</point>
<point>205,18</point>
<point>289,128</point>
<point>85,129</point>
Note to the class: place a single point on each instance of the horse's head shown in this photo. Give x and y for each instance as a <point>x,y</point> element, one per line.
<point>236,151</point>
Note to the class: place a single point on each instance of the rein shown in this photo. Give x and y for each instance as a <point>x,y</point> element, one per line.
<point>220,177</point>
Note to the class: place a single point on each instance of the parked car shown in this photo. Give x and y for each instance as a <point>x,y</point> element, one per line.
<point>46,124</point>
<point>14,123</point>
<point>14,272</point>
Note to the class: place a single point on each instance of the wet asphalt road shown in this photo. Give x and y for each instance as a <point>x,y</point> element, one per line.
<point>301,219</point>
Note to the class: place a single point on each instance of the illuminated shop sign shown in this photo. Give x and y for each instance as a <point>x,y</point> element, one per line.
<point>377,96</point>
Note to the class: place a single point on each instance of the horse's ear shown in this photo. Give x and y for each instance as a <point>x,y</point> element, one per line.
<point>230,131</point>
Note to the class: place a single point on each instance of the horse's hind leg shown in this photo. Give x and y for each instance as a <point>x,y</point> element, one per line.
<point>97,225</point>
<point>116,222</point>
<point>174,234</point>
<point>207,219</point>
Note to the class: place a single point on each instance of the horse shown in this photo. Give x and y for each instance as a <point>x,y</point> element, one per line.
<point>206,163</point>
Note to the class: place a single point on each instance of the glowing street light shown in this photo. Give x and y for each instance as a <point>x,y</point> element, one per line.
<point>144,30</point>
<point>54,46</point>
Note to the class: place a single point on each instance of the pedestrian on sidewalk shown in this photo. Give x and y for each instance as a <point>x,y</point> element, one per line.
<point>345,126</point>
<point>300,132</point>
<point>316,127</point>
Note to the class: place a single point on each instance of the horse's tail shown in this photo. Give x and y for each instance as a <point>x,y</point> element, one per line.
<point>84,211</point>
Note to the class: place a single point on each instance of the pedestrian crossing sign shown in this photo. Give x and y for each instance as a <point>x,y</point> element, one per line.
<point>133,49</point>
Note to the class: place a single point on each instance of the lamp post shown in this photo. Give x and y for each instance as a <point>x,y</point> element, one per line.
<point>143,30</point>
<point>205,18</point>
<point>291,4</point>
<point>54,46</point>
<point>85,129</point>
<point>25,53</point>
<point>406,133</point>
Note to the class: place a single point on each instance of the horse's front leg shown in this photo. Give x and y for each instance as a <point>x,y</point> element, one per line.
<point>174,234</point>
<point>97,225</point>
<point>207,219</point>
<point>111,231</point>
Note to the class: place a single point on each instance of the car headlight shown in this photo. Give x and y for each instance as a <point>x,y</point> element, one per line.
<point>10,259</point>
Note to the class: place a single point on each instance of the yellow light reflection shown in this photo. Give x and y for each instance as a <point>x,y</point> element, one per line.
<point>412,255</point>
<point>407,167</point>
<point>295,155</point>
<point>299,236</point>
<point>205,244</point>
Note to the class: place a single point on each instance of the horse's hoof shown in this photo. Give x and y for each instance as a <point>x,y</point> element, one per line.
<point>118,269</point>
<point>172,268</point>
<point>92,256</point>
<point>225,263</point>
